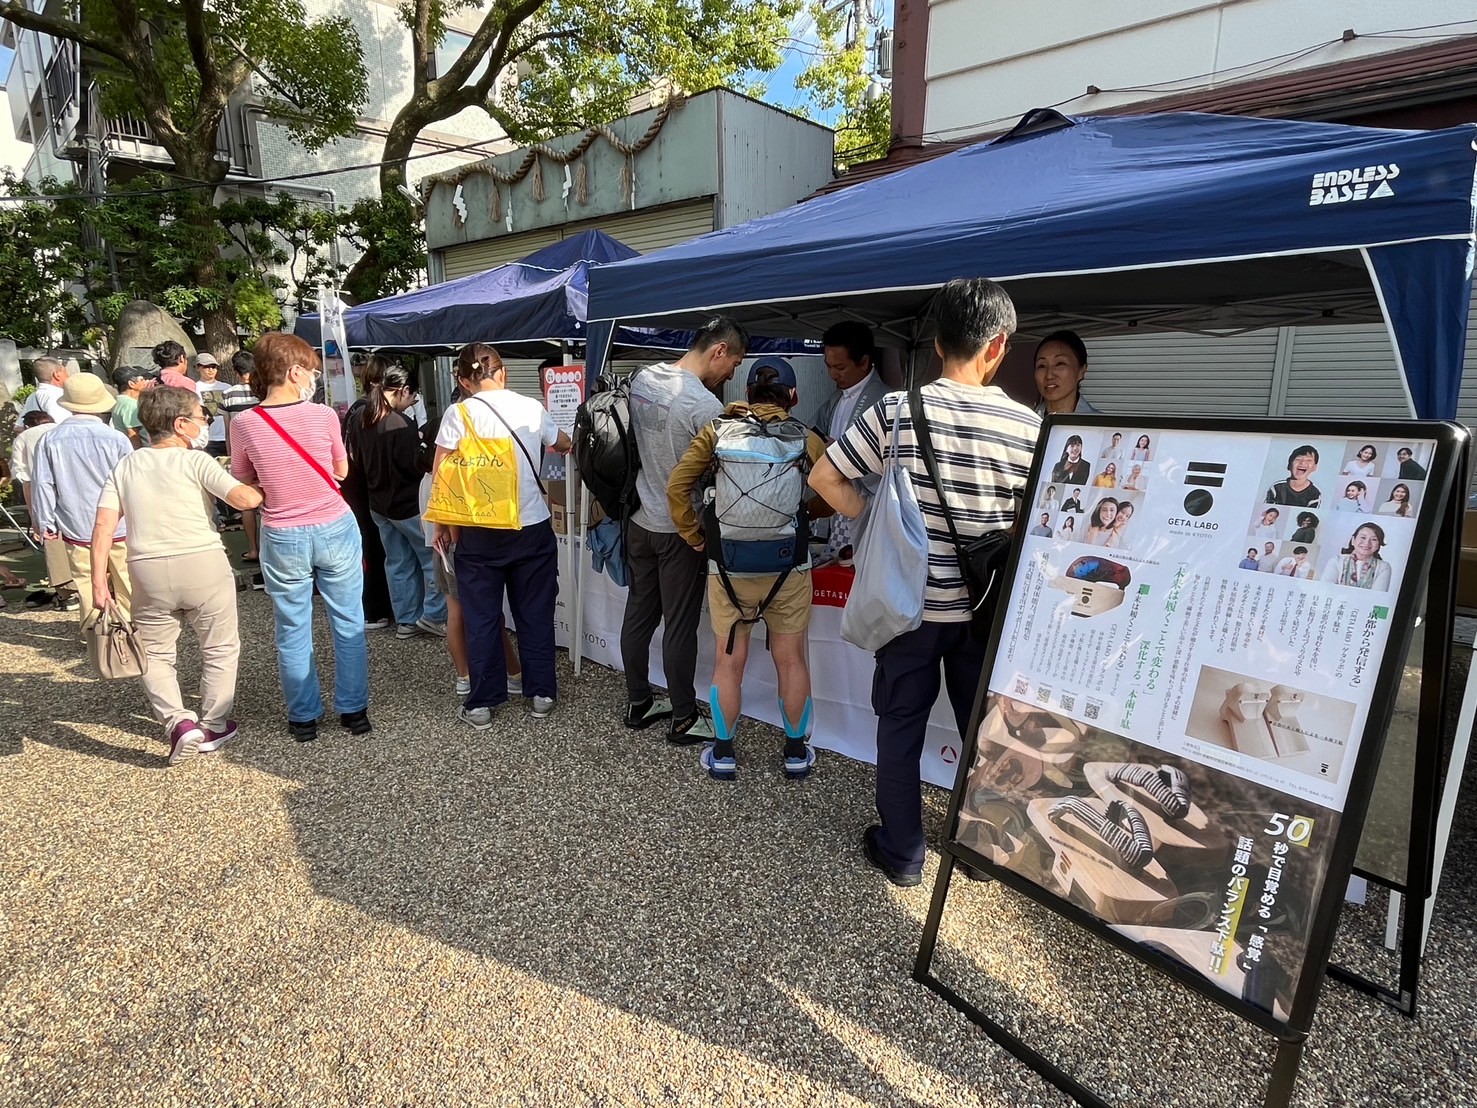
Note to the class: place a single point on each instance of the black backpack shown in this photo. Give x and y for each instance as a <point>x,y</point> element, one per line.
<point>605,447</point>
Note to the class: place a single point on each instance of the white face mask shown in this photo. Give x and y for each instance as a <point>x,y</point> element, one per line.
<point>202,439</point>
<point>306,392</point>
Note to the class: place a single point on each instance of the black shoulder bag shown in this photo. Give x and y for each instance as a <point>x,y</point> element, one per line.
<point>982,560</point>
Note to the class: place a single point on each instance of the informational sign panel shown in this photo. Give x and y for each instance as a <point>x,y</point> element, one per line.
<point>1191,663</point>
<point>564,392</point>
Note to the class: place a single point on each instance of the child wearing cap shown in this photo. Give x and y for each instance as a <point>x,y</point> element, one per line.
<point>739,594</point>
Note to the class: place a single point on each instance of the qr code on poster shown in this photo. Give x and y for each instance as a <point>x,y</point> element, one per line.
<point>1043,695</point>
<point>1022,686</point>
<point>1069,702</point>
<point>1092,709</point>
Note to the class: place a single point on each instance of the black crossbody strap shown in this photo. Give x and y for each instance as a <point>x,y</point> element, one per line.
<point>930,462</point>
<point>531,463</point>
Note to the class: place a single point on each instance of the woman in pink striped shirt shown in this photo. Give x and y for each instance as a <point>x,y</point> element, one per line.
<point>294,450</point>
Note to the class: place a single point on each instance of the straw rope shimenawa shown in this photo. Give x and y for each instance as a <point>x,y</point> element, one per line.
<point>532,162</point>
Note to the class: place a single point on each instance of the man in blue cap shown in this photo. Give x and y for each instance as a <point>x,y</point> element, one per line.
<point>755,532</point>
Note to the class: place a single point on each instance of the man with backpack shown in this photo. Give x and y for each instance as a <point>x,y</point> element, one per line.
<point>669,404</point>
<point>982,443</point>
<point>755,536</point>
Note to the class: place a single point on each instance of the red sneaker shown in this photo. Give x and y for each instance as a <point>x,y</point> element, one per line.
<point>214,739</point>
<point>184,741</point>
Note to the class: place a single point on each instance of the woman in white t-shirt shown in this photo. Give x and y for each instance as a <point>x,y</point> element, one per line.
<point>524,561</point>
<point>178,565</point>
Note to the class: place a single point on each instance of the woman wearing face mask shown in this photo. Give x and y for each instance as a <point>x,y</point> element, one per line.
<point>294,450</point>
<point>385,447</point>
<point>178,565</point>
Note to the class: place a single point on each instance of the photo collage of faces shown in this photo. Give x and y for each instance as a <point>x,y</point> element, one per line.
<point>1093,490</point>
<point>1338,511</point>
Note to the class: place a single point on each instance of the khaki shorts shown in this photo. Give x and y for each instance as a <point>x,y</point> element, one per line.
<point>788,613</point>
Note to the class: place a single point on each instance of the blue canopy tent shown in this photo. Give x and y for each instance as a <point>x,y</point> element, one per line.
<point>538,301</point>
<point>1173,222</point>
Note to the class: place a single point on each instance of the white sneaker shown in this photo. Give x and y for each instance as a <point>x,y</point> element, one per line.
<point>515,684</point>
<point>372,624</point>
<point>542,706</point>
<point>479,719</point>
<point>431,627</point>
<point>463,686</point>
<point>408,630</point>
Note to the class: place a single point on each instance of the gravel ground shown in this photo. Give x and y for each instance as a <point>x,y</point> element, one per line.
<point>562,913</point>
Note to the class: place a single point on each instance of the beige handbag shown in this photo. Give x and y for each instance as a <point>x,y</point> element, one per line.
<point>113,645</point>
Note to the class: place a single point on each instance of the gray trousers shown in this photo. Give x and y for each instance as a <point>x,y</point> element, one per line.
<point>668,580</point>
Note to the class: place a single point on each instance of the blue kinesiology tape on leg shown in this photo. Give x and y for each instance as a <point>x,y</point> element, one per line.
<point>803,731</point>
<point>721,726</point>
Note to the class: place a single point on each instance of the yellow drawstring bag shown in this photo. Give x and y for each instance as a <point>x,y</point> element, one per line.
<point>477,484</point>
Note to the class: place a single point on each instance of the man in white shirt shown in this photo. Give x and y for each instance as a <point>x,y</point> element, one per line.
<point>850,352</point>
<point>51,378</point>
<point>1113,452</point>
<point>22,466</point>
<point>212,392</point>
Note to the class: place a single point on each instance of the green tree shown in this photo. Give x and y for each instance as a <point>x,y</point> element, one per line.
<point>837,82</point>
<point>540,68</point>
<point>176,64</point>
<point>45,266</point>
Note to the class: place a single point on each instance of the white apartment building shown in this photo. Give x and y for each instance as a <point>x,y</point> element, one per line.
<point>53,106</point>
<point>964,70</point>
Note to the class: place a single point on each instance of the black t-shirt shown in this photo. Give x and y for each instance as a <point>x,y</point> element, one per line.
<point>389,457</point>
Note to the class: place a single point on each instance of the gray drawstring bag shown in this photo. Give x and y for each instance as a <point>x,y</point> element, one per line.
<point>891,559</point>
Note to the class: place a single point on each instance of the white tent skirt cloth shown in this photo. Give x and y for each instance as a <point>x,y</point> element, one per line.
<point>841,676</point>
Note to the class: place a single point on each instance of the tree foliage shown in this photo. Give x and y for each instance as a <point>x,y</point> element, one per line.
<point>540,68</point>
<point>837,81</point>
<point>176,64</point>
<point>44,265</point>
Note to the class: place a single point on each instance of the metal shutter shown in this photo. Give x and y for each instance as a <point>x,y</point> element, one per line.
<point>1466,408</point>
<point>641,231</point>
<point>1182,374</point>
<point>652,230</point>
<point>523,377</point>
<point>474,257</point>
<point>1346,371</point>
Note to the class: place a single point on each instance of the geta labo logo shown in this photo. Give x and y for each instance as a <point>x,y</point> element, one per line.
<point>1343,186</point>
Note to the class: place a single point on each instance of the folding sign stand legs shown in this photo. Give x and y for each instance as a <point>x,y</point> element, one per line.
<point>1426,825</point>
<point>1285,1063</point>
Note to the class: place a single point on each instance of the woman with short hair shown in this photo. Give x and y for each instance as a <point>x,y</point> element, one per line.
<point>179,567</point>
<point>293,448</point>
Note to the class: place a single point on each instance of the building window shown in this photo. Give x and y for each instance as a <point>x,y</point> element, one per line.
<point>450,48</point>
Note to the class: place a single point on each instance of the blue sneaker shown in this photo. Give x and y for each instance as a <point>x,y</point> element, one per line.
<point>799,764</point>
<point>721,767</point>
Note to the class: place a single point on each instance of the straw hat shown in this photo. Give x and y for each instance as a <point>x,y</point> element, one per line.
<point>84,393</point>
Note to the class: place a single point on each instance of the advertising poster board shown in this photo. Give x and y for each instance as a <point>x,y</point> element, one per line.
<point>338,376</point>
<point>1196,660</point>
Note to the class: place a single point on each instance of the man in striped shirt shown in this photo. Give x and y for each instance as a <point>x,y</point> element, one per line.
<point>984,442</point>
<point>235,400</point>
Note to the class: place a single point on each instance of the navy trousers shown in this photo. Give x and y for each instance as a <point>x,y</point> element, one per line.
<point>525,565</point>
<point>904,688</point>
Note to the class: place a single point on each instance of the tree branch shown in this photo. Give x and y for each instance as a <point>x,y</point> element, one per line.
<point>199,39</point>
<point>421,50</point>
<point>16,12</point>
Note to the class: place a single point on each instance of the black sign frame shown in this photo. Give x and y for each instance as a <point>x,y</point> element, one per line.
<point>1432,567</point>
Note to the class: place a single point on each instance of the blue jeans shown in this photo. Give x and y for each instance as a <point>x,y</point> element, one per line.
<point>330,556</point>
<point>408,566</point>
